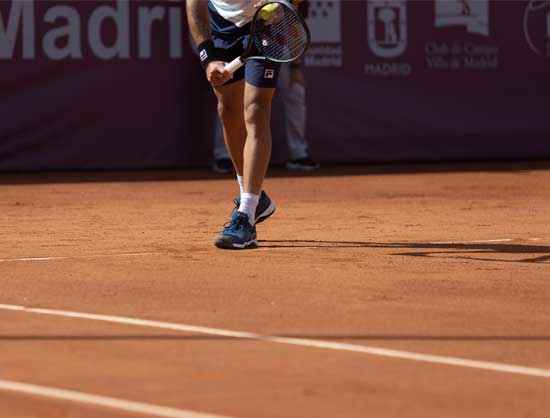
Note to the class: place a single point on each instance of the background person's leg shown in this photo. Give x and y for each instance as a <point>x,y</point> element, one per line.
<point>293,99</point>
<point>222,161</point>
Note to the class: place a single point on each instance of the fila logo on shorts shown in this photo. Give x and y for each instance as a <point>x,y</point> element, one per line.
<point>269,73</point>
<point>203,55</point>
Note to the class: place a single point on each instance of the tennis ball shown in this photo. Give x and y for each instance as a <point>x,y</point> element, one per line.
<point>268,11</point>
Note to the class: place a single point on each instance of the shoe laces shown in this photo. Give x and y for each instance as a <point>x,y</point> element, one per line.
<point>238,222</point>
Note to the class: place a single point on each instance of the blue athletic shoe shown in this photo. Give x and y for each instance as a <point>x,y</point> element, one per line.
<point>237,233</point>
<point>264,210</point>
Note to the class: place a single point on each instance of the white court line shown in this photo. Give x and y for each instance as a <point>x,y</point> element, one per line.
<point>404,355</point>
<point>102,401</point>
<point>12,260</point>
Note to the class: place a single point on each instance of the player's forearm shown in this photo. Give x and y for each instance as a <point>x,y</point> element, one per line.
<point>199,20</point>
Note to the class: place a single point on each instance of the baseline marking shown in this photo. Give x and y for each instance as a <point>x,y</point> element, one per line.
<point>12,260</point>
<point>377,351</point>
<point>102,401</point>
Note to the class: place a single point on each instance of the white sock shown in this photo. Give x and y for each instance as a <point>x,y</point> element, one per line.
<point>249,202</point>
<point>241,184</point>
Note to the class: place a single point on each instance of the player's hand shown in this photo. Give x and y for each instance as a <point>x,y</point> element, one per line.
<point>216,73</point>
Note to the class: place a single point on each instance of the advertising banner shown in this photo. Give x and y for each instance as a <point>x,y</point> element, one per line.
<point>430,80</point>
<point>115,84</point>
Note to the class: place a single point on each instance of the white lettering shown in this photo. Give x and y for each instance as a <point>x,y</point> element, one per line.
<point>324,56</point>
<point>438,62</point>
<point>176,35</point>
<point>146,19</point>
<point>71,31</point>
<point>66,33</point>
<point>480,63</point>
<point>480,49</point>
<point>388,69</point>
<point>8,32</point>
<point>120,15</point>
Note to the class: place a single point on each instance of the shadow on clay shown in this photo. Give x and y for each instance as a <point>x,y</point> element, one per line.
<point>472,251</point>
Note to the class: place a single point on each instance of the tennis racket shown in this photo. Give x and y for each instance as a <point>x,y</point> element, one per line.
<point>278,32</point>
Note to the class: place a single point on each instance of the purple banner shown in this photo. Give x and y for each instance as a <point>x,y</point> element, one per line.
<point>430,80</point>
<point>114,84</point>
<point>97,84</point>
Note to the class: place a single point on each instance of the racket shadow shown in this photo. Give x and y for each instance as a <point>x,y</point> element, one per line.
<point>471,251</point>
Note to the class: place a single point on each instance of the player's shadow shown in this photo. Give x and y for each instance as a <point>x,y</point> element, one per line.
<point>524,253</point>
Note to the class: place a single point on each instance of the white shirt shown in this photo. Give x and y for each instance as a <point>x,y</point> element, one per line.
<point>239,12</point>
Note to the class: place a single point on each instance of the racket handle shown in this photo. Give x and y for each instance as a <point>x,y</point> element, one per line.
<point>234,65</point>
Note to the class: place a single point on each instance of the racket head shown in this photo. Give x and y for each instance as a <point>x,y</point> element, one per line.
<point>279,32</point>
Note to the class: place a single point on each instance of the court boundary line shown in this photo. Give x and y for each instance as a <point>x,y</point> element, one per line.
<point>71,257</point>
<point>364,349</point>
<point>102,401</point>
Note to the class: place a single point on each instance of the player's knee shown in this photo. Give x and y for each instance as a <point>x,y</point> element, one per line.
<point>256,112</point>
<point>228,111</point>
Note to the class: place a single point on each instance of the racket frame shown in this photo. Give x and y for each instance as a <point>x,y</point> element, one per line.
<point>245,56</point>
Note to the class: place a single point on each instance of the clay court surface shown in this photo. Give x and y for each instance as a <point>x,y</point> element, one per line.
<point>452,262</point>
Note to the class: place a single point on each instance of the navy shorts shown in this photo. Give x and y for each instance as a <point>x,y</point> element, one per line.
<point>232,41</point>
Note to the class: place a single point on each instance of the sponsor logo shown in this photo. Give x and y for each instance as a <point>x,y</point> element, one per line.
<point>203,55</point>
<point>72,34</point>
<point>324,21</point>
<point>471,54</point>
<point>387,27</point>
<point>325,24</point>
<point>269,73</point>
<point>536,26</point>
<point>472,14</point>
<point>387,37</point>
<point>465,56</point>
<point>388,69</point>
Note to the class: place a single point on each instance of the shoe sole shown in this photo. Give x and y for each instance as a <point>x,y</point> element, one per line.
<point>227,244</point>
<point>218,170</point>
<point>298,167</point>
<point>266,213</point>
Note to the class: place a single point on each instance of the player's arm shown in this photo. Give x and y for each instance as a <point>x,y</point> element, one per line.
<point>199,21</point>
<point>199,24</point>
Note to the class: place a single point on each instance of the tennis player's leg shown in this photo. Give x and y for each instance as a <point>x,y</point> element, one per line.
<point>257,150</point>
<point>260,83</point>
<point>239,232</point>
<point>248,133</point>
<point>231,112</point>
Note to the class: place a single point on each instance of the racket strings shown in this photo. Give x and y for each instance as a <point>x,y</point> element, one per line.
<point>282,38</point>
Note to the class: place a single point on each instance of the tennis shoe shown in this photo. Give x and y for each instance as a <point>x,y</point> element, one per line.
<point>223,166</point>
<point>237,233</point>
<point>302,164</point>
<point>264,210</point>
